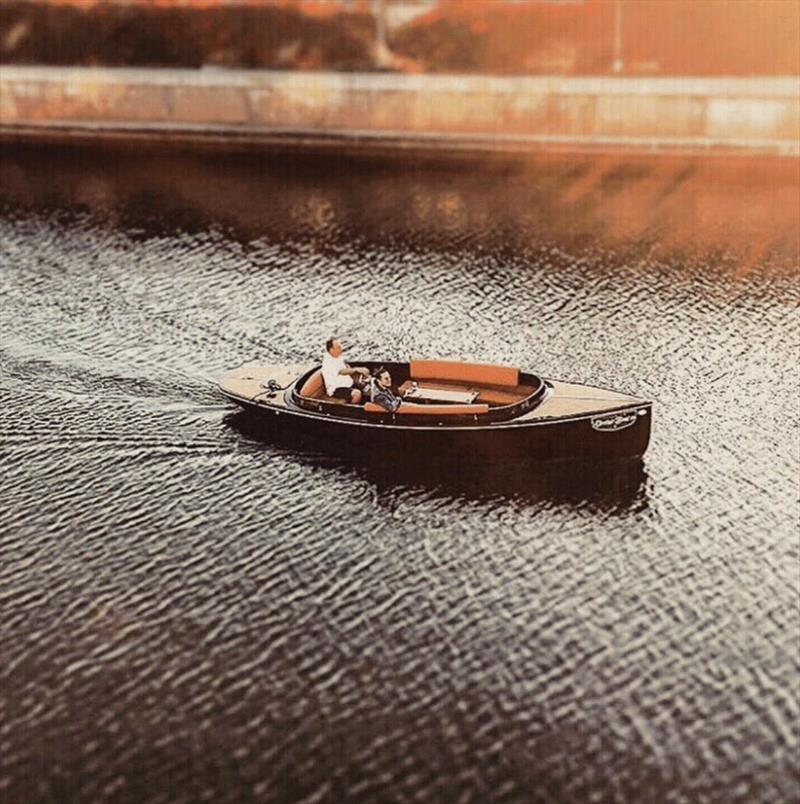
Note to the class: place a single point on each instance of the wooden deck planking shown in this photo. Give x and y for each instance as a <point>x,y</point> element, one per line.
<point>569,399</point>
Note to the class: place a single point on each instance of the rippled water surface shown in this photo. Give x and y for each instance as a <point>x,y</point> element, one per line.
<point>190,611</point>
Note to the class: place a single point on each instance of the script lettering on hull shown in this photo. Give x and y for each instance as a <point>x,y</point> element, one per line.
<point>614,422</point>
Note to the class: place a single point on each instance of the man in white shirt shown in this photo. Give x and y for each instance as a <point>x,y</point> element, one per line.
<point>340,380</point>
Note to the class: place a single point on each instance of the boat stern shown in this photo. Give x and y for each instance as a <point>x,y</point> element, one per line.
<point>252,382</point>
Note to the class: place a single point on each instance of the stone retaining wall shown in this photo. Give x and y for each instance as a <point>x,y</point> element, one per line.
<point>725,115</point>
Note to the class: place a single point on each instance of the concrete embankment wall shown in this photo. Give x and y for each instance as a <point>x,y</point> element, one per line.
<point>493,114</point>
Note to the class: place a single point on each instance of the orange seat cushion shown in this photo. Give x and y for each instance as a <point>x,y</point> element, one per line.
<point>494,396</point>
<point>479,373</point>
<point>430,410</point>
<point>314,387</point>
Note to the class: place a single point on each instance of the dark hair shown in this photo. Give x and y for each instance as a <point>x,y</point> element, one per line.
<point>329,343</point>
<point>378,372</point>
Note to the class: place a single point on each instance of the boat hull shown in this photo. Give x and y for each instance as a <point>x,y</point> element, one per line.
<point>617,435</point>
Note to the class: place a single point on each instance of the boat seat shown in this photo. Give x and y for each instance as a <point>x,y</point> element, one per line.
<point>431,410</point>
<point>478,373</point>
<point>504,396</point>
<point>314,388</point>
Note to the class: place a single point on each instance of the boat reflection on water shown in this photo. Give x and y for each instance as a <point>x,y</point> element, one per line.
<point>610,487</point>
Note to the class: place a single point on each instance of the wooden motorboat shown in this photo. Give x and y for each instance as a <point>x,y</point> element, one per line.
<point>475,410</point>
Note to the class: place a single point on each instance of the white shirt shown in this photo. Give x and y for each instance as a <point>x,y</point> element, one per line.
<point>331,366</point>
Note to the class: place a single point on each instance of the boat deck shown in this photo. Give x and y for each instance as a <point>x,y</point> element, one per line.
<point>572,399</point>
<point>247,381</point>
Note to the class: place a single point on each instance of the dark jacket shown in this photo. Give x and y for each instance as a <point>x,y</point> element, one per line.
<point>385,397</point>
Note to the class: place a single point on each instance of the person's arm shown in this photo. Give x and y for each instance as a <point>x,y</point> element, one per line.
<point>351,372</point>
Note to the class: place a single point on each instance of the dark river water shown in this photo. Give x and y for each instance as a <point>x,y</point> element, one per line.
<point>190,611</point>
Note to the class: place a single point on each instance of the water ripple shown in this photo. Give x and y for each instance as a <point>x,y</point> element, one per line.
<point>194,611</point>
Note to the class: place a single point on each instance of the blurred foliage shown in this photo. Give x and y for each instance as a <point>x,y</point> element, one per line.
<point>443,45</point>
<point>658,37</point>
<point>245,36</point>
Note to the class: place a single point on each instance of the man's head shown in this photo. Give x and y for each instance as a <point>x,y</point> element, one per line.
<point>384,378</point>
<point>334,347</point>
